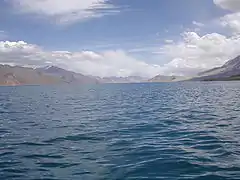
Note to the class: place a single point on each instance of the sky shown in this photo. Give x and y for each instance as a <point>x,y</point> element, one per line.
<point>120,37</point>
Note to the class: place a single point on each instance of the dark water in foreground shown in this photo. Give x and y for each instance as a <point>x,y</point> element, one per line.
<point>118,132</point>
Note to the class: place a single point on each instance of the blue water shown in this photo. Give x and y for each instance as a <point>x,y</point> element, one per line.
<point>122,131</point>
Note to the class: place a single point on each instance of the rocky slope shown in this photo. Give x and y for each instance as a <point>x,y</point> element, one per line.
<point>229,71</point>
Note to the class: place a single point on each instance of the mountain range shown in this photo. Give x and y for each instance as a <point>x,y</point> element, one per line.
<point>161,78</point>
<point>67,76</point>
<point>17,75</point>
<point>129,79</point>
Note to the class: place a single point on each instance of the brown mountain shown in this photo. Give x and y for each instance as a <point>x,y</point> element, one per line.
<point>16,75</point>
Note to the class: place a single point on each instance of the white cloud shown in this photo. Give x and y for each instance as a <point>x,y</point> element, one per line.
<point>197,24</point>
<point>195,53</point>
<point>3,35</point>
<point>231,20</point>
<point>168,41</point>
<point>232,5</point>
<point>65,11</point>
<point>108,63</point>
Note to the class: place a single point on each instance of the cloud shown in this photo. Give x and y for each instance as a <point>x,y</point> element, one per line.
<point>107,63</point>
<point>231,20</point>
<point>195,53</point>
<point>3,35</point>
<point>65,11</point>
<point>197,24</point>
<point>232,5</point>
<point>168,41</point>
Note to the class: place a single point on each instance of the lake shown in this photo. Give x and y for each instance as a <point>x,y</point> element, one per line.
<point>188,130</point>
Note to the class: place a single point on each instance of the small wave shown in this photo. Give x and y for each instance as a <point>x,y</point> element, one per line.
<point>6,153</point>
<point>78,137</point>
<point>56,165</point>
<point>39,156</point>
<point>33,144</point>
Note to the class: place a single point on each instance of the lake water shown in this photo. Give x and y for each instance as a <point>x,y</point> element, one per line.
<point>121,131</point>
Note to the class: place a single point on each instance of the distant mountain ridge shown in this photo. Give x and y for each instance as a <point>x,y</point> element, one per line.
<point>72,77</point>
<point>129,79</point>
<point>67,76</point>
<point>162,78</point>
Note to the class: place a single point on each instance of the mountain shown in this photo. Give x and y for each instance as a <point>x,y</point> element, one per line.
<point>129,79</point>
<point>67,76</point>
<point>16,75</point>
<point>229,71</point>
<point>162,78</point>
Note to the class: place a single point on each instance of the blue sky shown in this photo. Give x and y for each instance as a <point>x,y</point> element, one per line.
<point>139,23</point>
<point>139,29</point>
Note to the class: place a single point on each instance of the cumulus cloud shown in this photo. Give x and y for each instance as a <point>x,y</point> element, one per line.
<point>232,5</point>
<point>195,53</point>
<point>108,63</point>
<point>231,20</point>
<point>65,11</point>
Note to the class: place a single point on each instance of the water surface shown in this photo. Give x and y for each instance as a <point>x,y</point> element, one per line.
<point>122,131</point>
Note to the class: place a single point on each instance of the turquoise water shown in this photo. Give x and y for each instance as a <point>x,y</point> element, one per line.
<point>117,132</point>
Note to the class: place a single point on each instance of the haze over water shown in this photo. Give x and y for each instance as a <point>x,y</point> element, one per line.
<point>121,131</point>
